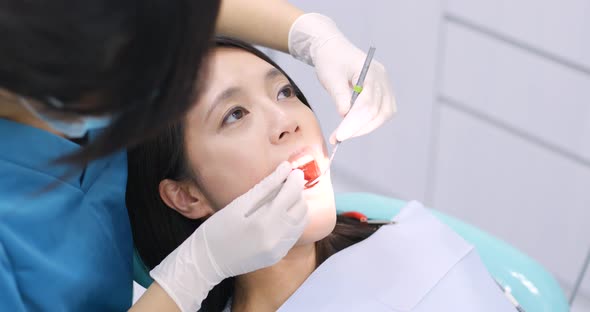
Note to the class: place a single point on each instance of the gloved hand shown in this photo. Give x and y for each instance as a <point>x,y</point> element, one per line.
<point>254,231</point>
<point>315,40</point>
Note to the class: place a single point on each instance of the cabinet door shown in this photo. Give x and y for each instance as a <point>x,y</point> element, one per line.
<point>557,29</point>
<point>538,98</point>
<point>531,197</point>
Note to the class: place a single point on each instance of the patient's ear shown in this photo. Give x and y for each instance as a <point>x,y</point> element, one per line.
<point>185,198</point>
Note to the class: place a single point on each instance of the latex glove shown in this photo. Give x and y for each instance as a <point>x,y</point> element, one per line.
<point>254,231</point>
<point>315,40</point>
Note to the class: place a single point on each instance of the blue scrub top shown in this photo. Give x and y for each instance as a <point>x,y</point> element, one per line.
<point>67,248</point>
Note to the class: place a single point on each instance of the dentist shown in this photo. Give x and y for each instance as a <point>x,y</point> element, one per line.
<point>82,80</point>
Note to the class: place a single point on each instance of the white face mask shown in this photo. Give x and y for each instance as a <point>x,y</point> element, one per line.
<point>73,128</point>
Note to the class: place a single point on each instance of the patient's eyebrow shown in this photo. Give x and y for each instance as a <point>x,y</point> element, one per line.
<point>221,97</point>
<point>232,91</point>
<point>272,73</point>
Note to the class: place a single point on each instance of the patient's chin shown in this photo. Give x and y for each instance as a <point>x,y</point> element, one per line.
<point>321,212</point>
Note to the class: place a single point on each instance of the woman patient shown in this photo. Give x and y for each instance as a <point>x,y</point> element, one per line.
<point>249,118</point>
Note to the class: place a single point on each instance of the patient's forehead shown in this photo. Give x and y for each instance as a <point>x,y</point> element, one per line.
<point>233,64</point>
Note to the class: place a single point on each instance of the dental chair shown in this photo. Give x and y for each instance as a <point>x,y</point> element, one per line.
<point>529,283</point>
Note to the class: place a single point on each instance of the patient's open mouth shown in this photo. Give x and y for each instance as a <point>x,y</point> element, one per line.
<point>311,171</point>
<point>310,168</point>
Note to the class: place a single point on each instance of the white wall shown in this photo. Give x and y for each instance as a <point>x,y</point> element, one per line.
<point>494,116</point>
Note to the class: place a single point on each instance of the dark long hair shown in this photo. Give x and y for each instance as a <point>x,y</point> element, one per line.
<point>138,59</point>
<point>158,230</point>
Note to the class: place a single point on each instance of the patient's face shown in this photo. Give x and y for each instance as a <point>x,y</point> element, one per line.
<point>246,122</point>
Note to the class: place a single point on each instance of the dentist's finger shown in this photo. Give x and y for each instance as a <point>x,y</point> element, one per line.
<point>340,93</point>
<point>266,190</point>
<point>291,191</point>
<point>385,113</point>
<point>361,113</point>
<point>297,214</point>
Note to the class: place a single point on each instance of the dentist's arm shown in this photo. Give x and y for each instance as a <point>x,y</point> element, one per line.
<point>155,298</point>
<point>254,231</point>
<point>263,22</point>
<point>315,39</point>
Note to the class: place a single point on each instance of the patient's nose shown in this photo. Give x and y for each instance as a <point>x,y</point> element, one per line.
<point>285,127</point>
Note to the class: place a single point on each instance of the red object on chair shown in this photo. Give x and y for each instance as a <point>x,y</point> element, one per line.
<point>355,215</point>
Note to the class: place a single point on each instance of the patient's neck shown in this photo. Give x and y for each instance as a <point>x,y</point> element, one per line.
<point>267,289</point>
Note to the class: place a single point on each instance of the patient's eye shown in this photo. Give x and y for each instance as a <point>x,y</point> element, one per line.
<point>286,92</point>
<point>234,115</point>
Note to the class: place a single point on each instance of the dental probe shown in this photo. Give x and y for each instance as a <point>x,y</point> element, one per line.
<point>358,88</point>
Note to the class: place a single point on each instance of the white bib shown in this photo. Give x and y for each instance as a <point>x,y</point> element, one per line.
<point>418,264</point>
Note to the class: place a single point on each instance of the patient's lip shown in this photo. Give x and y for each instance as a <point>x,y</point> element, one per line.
<point>300,153</point>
